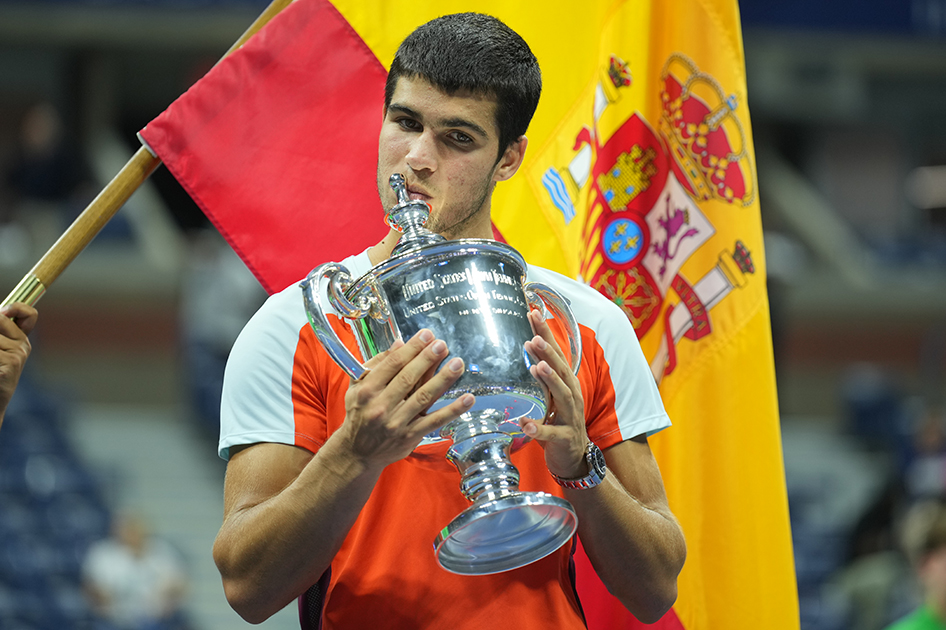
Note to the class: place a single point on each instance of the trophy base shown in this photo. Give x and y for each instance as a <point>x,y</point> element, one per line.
<point>505,531</point>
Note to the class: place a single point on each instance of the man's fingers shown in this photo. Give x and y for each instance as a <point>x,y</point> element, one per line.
<point>545,432</point>
<point>544,345</point>
<point>550,378</point>
<point>431,371</point>
<point>386,365</point>
<point>411,375</point>
<point>544,331</point>
<point>403,371</point>
<point>565,394</point>
<point>431,391</point>
<point>440,418</point>
<point>550,361</point>
<point>21,316</point>
<point>379,358</point>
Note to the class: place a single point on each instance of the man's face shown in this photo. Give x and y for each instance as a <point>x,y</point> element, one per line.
<point>933,573</point>
<point>446,147</point>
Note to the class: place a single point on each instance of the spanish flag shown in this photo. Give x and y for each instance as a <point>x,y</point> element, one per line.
<point>640,178</point>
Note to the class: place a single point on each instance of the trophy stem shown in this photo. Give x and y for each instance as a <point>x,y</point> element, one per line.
<point>480,452</point>
<point>504,528</point>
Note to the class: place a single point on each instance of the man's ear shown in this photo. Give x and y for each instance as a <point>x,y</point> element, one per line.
<point>511,159</point>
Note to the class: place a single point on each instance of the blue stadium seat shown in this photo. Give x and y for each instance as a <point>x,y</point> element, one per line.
<point>50,512</point>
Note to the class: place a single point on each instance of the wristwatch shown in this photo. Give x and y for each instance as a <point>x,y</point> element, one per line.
<point>597,468</point>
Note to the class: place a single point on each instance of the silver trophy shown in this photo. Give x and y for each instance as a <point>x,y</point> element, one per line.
<point>470,293</point>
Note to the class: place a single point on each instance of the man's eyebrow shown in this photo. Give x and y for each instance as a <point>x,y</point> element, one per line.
<point>447,122</point>
<point>403,109</point>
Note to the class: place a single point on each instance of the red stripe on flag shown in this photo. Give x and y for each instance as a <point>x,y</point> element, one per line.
<point>497,235</point>
<point>278,144</point>
<point>602,610</point>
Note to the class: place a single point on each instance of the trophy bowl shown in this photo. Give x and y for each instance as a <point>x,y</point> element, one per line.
<point>471,293</point>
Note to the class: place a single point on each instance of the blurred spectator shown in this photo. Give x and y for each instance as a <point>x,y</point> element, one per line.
<point>134,580</point>
<point>925,472</point>
<point>924,537</point>
<point>218,297</point>
<point>44,187</point>
<point>47,167</point>
<point>874,586</point>
<point>874,400</point>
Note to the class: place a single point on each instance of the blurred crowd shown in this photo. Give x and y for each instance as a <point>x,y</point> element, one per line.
<point>69,556</point>
<point>869,508</point>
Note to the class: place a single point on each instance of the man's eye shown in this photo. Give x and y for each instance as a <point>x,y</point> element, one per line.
<point>408,123</point>
<point>461,138</point>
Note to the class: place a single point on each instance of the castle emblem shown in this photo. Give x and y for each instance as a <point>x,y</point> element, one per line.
<point>631,174</point>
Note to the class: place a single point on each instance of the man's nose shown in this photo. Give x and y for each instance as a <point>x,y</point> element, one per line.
<point>422,155</point>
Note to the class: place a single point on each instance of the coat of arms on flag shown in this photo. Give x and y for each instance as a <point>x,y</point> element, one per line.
<point>643,187</point>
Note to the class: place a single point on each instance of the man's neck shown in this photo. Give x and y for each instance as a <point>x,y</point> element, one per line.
<point>382,251</point>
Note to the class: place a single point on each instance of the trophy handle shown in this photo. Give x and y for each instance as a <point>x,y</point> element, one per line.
<point>339,279</point>
<point>540,296</point>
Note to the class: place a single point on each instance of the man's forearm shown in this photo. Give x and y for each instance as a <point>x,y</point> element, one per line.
<point>632,538</point>
<point>271,551</point>
<point>637,551</point>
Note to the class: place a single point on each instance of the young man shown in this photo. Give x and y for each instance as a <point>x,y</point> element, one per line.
<point>331,492</point>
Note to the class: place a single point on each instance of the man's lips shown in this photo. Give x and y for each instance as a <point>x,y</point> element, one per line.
<point>417,192</point>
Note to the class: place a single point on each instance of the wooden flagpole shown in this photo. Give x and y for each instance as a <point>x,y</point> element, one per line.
<point>88,224</point>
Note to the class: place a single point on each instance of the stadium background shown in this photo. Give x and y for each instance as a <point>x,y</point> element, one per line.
<point>118,406</point>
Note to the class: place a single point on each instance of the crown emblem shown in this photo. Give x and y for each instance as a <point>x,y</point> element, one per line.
<point>619,72</point>
<point>705,136</point>
<point>743,259</point>
<point>736,265</point>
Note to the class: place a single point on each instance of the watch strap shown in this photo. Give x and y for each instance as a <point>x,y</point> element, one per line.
<point>597,470</point>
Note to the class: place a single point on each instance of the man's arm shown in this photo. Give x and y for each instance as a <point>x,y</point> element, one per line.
<point>639,566</point>
<point>17,322</point>
<point>287,511</point>
<point>632,539</point>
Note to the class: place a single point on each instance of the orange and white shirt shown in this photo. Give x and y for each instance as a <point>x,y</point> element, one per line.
<point>281,386</point>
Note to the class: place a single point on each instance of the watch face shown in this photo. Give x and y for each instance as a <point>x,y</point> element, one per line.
<point>596,459</point>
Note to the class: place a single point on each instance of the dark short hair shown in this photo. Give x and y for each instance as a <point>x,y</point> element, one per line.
<point>475,52</point>
<point>935,537</point>
<point>923,529</point>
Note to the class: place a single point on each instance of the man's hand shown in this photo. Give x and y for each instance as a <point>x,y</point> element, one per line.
<point>563,435</point>
<point>18,321</point>
<point>386,415</point>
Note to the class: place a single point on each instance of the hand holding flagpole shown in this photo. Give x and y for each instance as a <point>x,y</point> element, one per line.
<point>88,224</point>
